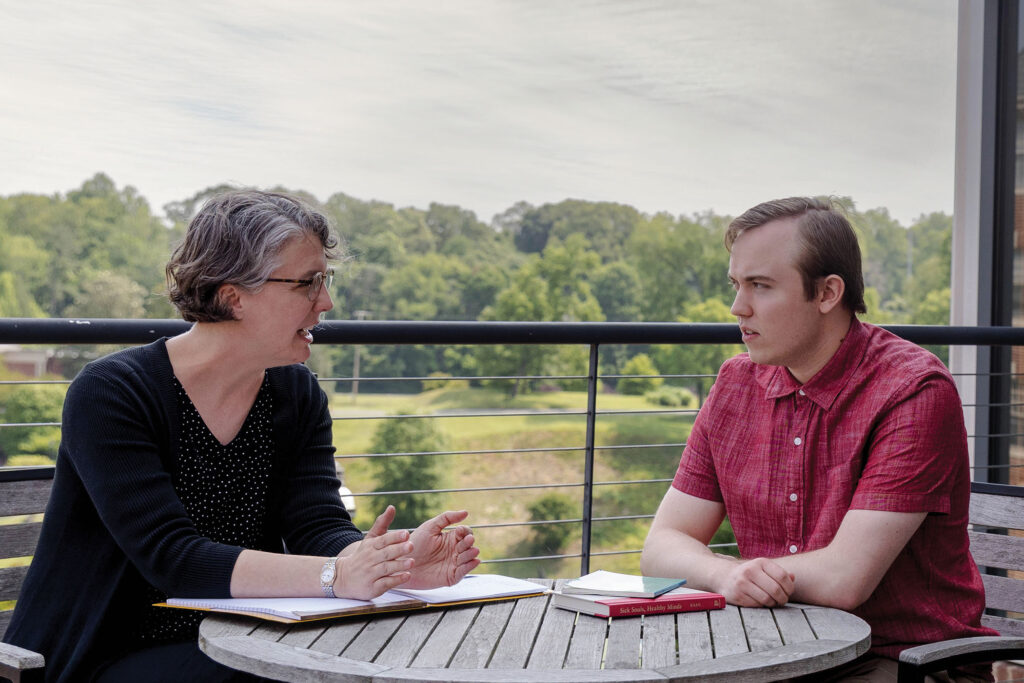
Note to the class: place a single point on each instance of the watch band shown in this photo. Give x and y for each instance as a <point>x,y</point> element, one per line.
<point>327,575</point>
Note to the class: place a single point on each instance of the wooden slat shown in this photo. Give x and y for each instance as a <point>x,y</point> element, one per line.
<point>283,662</point>
<point>303,635</point>
<point>1003,593</point>
<point>659,641</point>
<point>934,652</point>
<point>5,618</point>
<point>997,550</point>
<point>441,644</point>
<point>793,626</point>
<point>837,625</point>
<point>408,639</point>
<point>24,497</point>
<point>762,632</point>
<point>587,645</point>
<point>19,540</point>
<point>728,629</point>
<point>694,637</point>
<point>623,647</point>
<point>513,650</point>
<point>372,639</point>
<point>476,648</point>
<point>553,639</point>
<point>338,636</point>
<point>11,579</point>
<point>271,631</point>
<point>994,510</point>
<point>1005,626</point>
<point>783,663</point>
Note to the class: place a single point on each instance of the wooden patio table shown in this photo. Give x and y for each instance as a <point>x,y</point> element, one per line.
<point>530,640</point>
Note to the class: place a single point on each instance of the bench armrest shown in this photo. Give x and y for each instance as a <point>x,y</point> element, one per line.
<point>918,662</point>
<point>19,664</point>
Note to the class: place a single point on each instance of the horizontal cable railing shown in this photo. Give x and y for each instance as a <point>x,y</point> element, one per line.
<point>606,526</point>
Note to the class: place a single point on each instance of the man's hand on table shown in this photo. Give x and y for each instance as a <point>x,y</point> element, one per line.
<point>759,582</point>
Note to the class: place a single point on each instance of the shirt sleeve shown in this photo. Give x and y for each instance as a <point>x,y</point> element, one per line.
<point>696,472</point>
<point>314,521</point>
<point>915,451</point>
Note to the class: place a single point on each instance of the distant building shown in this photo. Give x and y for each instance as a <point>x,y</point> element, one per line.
<point>28,362</point>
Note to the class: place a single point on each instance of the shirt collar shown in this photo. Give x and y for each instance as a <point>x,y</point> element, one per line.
<point>825,386</point>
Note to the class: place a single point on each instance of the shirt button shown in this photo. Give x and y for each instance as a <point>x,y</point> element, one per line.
<point>801,392</point>
<point>792,497</point>
<point>792,549</point>
<point>798,441</point>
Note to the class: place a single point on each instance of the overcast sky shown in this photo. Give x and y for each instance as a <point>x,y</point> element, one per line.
<point>674,105</point>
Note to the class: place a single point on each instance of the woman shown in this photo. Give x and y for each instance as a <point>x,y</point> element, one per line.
<point>189,466</point>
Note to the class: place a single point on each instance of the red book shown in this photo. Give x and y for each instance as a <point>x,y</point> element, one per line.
<point>678,600</point>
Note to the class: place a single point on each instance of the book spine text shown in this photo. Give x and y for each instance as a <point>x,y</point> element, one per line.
<point>665,607</point>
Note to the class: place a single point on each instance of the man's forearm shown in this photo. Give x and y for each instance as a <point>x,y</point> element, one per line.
<point>674,554</point>
<point>846,572</point>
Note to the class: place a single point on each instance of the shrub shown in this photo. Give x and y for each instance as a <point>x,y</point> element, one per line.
<point>549,539</point>
<point>672,397</point>
<point>32,404</point>
<point>443,380</point>
<point>641,364</point>
<point>407,472</point>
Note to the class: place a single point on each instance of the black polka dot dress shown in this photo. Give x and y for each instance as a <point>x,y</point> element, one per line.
<point>224,488</point>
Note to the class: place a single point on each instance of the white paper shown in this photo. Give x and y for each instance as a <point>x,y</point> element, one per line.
<point>474,587</point>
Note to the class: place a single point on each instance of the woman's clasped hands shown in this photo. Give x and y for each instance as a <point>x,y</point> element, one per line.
<point>429,557</point>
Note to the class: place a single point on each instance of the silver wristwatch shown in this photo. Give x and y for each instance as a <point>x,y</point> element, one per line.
<point>327,575</point>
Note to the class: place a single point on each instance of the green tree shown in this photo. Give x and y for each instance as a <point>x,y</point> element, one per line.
<point>885,250</point>
<point>182,211</point>
<point>549,539</point>
<point>640,364</point>
<point>605,225</point>
<point>679,262</point>
<point>525,299</point>
<point>426,287</point>
<point>697,359</point>
<point>406,472</point>
<point>455,229</point>
<point>31,403</point>
<point>15,301</point>
<point>365,226</point>
<point>24,265</point>
<point>931,237</point>
<point>52,244</point>
<point>553,286</point>
<point>110,295</point>
<point>616,286</point>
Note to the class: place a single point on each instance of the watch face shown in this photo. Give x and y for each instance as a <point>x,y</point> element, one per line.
<point>327,575</point>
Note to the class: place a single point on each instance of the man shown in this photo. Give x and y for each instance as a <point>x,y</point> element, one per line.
<point>837,450</point>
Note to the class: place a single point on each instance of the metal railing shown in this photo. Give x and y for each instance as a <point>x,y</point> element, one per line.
<point>592,335</point>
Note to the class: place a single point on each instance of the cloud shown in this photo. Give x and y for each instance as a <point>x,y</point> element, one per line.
<point>680,107</point>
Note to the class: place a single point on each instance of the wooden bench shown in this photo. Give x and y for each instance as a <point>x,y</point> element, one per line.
<point>24,493</point>
<point>997,544</point>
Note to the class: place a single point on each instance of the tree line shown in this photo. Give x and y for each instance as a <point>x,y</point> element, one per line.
<point>99,251</point>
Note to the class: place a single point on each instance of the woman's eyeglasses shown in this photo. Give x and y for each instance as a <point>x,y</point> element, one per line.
<point>313,285</point>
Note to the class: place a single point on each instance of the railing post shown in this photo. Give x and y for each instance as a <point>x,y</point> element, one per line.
<point>588,461</point>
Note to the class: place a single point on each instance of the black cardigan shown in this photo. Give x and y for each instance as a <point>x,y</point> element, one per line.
<point>114,522</point>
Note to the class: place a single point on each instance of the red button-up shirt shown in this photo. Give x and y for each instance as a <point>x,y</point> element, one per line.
<point>880,427</point>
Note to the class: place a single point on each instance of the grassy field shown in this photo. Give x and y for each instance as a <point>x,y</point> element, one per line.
<point>551,471</point>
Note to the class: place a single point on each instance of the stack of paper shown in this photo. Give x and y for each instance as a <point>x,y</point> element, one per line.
<point>472,588</point>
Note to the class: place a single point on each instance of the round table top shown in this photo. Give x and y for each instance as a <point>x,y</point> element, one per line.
<point>528,639</point>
